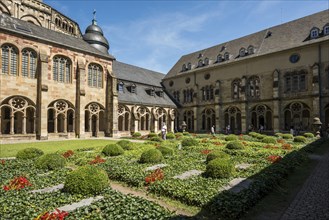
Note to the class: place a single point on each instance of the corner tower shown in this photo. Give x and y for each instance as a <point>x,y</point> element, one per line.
<point>94,36</point>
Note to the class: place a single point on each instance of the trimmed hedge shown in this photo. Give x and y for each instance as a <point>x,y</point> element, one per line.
<point>50,162</point>
<point>152,134</point>
<point>156,138</point>
<point>112,150</point>
<point>151,156</point>
<point>216,154</point>
<point>29,153</point>
<point>166,151</point>
<point>126,145</point>
<point>189,142</point>
<point>231,137</point>
<point>219,168</point>
<point>309,135</point>
<point>86,180</point>
<point>269,140</point>
<point>287,136</point>
<point>235,145</point>
<point>170,136</point>
<point>136,134</point>
<point>301,139</point>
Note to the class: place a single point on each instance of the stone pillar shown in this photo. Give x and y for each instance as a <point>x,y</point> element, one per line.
<point>136,126</point>
<point>276,104</point>
<point>97,127</point>
<point>243,118</point>
<point>195,112</point>
<point>35,123</point>
<point>156,124</point>
<point>0,122</point>
<point>24,125</point>
<point>65,124</point>
<point>111,104</point>
<point>315,91</point>
<point>80,100</point>
<point>55,125</point>
<point>12,122</point>
<point>90,127</point>
<point>42,97</point>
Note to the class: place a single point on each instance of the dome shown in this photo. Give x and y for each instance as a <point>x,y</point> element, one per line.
<point>94,36</point>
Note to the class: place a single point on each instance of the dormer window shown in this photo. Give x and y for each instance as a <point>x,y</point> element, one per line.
<point>200,55</point>
<point>226,56</point>
<point>132,88</point>
<point>242,52</point>
<point>200,63</point>
<point>250,50</point>
<point>206,61</point>
<point>159,93</point>
<point>219,58</point>
<point>314,33</point>
<point>184,67</point>
<point>151,91</point>
<point>189,66</point>
<point>326,30</point>
<point>120,87</point>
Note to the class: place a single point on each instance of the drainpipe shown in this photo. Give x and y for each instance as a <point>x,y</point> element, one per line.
<point>320,84</point>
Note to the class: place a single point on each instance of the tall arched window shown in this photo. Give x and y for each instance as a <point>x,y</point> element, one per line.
<point>261,115</point>
<point>254,87</point>
<point>95,75</point>
<point>62,69</point>
<point>208,119</point>
<point>29,63</point>
<point>189,120</point>
<point>9,60</point>
<point>236,84</point>
<point>233,119</point>
<point>297,116</point>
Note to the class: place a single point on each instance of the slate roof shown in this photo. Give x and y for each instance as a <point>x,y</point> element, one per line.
<point>33,31</point>
<point>282,37</point>
<point>144,80</point>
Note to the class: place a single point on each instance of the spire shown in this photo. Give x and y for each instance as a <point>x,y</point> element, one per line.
<point>94,18</point>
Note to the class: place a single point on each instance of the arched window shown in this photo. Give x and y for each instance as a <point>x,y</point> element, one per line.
<point>123,118</point>
<point>254,87</point>
<point>144,118</point>
<point>9,60</point>
<point>206,61</point>
<point>189,66</point>
<point>189,120</point>
<point>62,67</point>
<point>297,116</point>
<point>242,52</point>
<point>95,75</point>
<point>29,63</point>
<point>236,85</point>
<point>295,81</point>
<point>261,116</point>
<point>208,119</point>
<point>184,67</point>
<point>232,116</point>
<point>219,58</point>
<point>226,56</point>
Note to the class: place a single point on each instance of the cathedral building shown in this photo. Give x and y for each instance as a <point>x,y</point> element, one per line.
<point>271,81</point>
<point>56,82</point>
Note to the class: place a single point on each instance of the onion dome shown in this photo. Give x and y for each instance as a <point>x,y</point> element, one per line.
<point>94,36</point>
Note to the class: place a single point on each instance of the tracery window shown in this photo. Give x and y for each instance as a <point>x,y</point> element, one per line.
<point>207,93</point>
<point>208,119</point>
<point>62,67</point>
<point>9,60</point>
<point>95,75</point>
<point>29,63</point>
<point>236,85</point>
<point>253,87</point>
<point>261,117</point>
<point>296,81</point>
<point>188,95</point>
<point>123,118</point>
<point>189,120</point>
<point>297,116</point>
<point>232,117</point>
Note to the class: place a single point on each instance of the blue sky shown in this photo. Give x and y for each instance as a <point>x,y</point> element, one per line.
<point>155,34</point>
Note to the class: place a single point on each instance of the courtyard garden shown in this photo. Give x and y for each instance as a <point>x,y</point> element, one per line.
<point>222,175</point>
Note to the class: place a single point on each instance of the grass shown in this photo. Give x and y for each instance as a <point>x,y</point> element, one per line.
<point>10,150</point>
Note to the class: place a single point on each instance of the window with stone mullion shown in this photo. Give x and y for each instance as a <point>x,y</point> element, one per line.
<point>100,79</point>
<point>61,71</point>
<point>25,64</point>
<point>13,62</point>
<point>5,60</point>
<point>67,72</point>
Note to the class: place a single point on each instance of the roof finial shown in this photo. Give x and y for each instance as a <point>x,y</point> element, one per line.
<point>94,19</point>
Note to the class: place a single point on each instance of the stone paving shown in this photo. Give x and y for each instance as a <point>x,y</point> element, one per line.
<point>312,201</point>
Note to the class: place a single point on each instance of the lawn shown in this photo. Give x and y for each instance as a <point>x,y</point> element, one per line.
<point>10,150</point>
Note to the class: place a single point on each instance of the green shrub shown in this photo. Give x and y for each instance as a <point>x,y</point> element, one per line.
<point>179,135</point>
<point>216,154</point>
<point>253,134</point>
<point>278,134</point>
<point>151,156</point>
<point>201,136</point>
<point>170,135</point>
<point>189,142</point>
<point>219,168</point>
<point>136,134</point>
<point>156,138</point>
<point>301,139</point>
<point>235,145</point>
<point>309,135</point>
<point>287,136</point>
<point>50,162</point>
<point>126,145</point>
<point>166,151</point>
<point>231,137</point>
<point>185,133</point>
<point>86,180</point>
<point>269,140</point>
<point>29,153</point>
<point>112,150</point>
<point>261,136</point>
<point>152,134</point>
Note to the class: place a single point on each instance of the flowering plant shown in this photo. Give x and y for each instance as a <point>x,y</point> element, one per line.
<point>3,162</point>
<point>205,151</point>
<point>281,141</point>
<point>68,154</point>
<point>17,183</point>
<point>57,215</point>
<point>270,147</point>
<point>286,146</point>
<point>97,160</point>
<point>156,175</point>
<point>274,158</point>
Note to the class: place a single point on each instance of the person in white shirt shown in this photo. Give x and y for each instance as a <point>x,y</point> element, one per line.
<point>164,132</point>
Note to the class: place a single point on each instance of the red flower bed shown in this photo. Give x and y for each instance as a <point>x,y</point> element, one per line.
<point>217,143</point>
<point>286,146</point>
<point>68,154</point>
<point>274,158</point>
<point>3,162</point>
<point>57,215</point>
<point>281,141</point>
<point>205,151</point>
<point>97,160</point>
<point>271,147</point>
<point>156,175</point>
<point>17,184</point>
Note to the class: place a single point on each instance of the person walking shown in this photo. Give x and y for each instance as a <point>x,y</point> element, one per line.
<point>212,130</point>
<point>164,132</point>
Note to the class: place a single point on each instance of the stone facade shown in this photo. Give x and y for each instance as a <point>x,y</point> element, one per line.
<point>272,80</point>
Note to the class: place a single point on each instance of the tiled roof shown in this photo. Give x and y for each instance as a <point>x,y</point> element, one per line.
<point>144,80</point>
<point>278,38</point>
<point>27,29</point>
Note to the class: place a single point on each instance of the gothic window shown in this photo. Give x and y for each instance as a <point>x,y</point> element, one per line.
<point>250,50</point>
<point>184,67</point>
<point>189,120</point>
<point>326,30</point>
<point>261,117</point>
<point>176,96</point>
<point>95,75</point>
<point>62,69</point>
<point>297,116</point>
<point>61,117</point>
<point>314,33</point>
<point>208,119</point>
<point>120,87</point>
<point>232,118</point>
<point>29,63</point>
<point>123,118</point>
<point>236,84</point>
<point>242,52</point>
<point>296,81</point>
<point>94,118</point>
<point>226,56</point>
<point>207,93</point>
<point>9,60</point>
<point>254,87</point>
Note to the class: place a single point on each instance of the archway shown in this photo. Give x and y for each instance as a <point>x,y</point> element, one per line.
<point>94,118</point>
<point>297,116</point>
<point>232,117</point>
<point>61,115</point>
<point>261,117</point>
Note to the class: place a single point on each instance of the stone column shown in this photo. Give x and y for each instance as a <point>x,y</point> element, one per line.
<point>97,127</point>
<point>195,112</point>
<point>111,104</point>
<point>55,125</point>
<point>0,122</point>
<point>65,124</point>
<point>80,100</point>
<point>276,104</point>
<point>24,125</point>
<point>12,122</point>
<point>156,124</point>
<point>315,91</point>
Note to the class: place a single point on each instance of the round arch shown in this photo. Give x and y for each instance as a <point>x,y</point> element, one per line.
<point>31,19</point>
